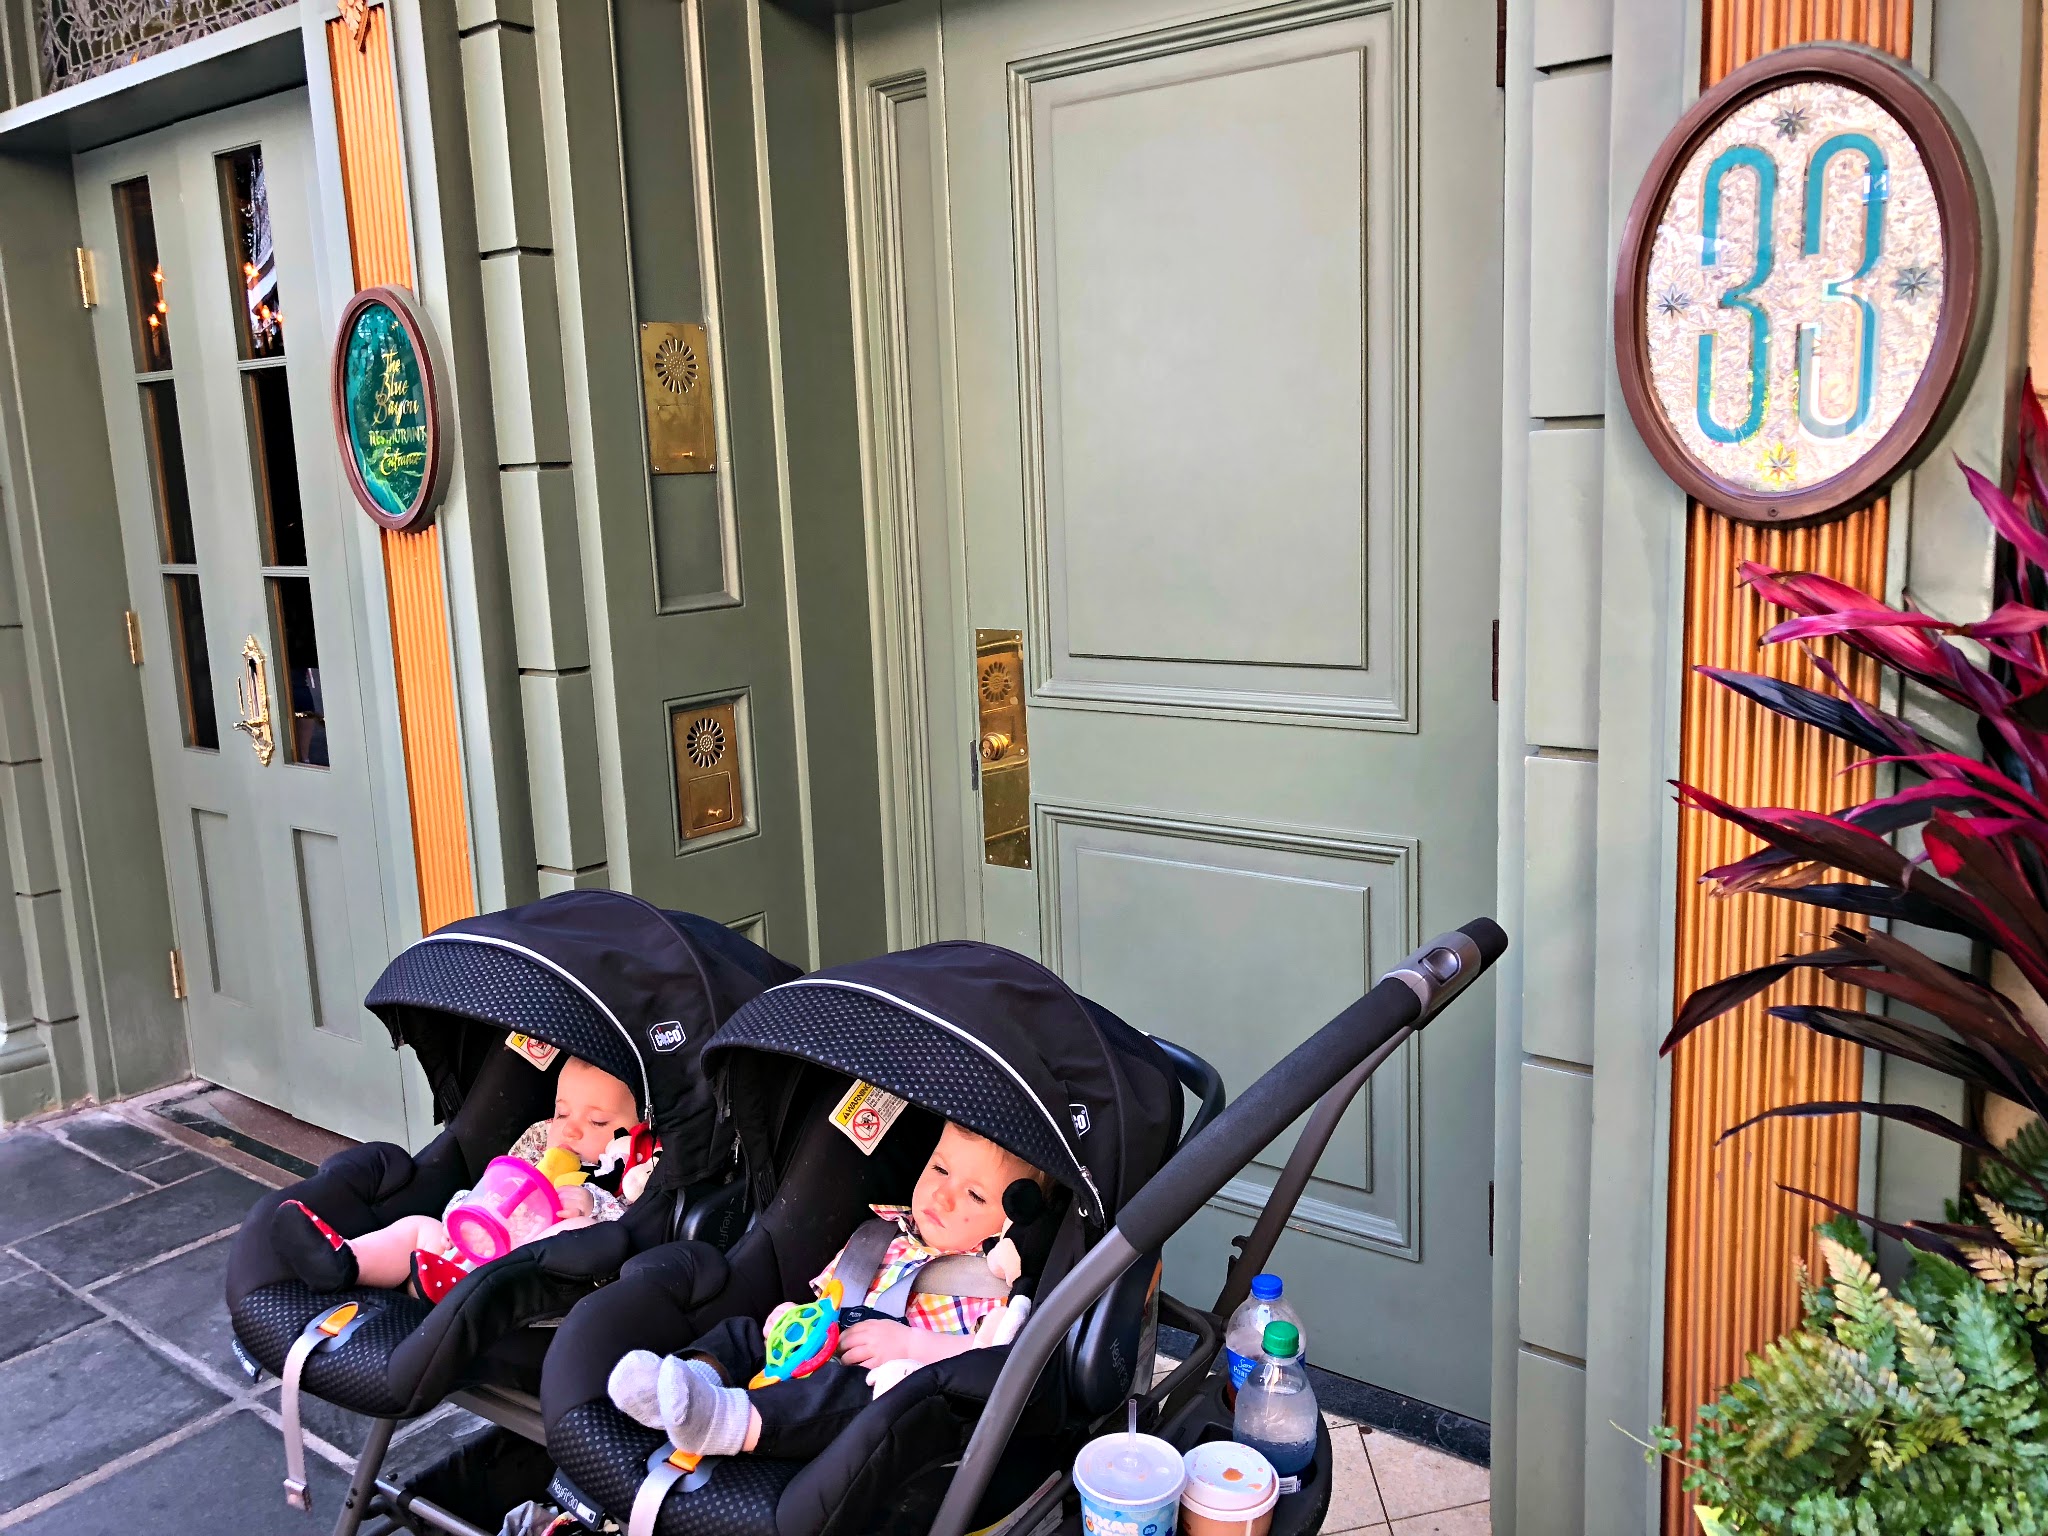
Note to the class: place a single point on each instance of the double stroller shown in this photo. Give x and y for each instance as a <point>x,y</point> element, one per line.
<point>959,1031</point>
<point>598,975</point>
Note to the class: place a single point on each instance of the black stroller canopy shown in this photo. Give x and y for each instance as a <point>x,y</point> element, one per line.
<point>984,1037</point>
<point>601,975</point>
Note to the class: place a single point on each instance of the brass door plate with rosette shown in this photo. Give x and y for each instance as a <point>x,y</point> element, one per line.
<point>1003,748</point>
<point>1799,287</point>
<point>675,375</point>
<point>710,789</point>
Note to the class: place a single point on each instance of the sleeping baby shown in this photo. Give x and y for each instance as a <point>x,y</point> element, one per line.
<point>592,1108</point>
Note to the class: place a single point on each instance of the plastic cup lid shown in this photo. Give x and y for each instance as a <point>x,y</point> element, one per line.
<point>1225,1478</point>
<point>1129,1469</point>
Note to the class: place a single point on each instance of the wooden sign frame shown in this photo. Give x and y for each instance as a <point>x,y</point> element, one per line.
<point>401,303</point>
<point>1948,159</point>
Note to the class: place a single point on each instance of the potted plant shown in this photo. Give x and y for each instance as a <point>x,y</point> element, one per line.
<point>1920,1411</point>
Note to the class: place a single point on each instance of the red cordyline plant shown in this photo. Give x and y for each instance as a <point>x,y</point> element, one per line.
<point>1981,869</point>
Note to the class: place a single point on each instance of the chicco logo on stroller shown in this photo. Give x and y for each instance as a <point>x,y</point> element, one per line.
<point>666,1036</point>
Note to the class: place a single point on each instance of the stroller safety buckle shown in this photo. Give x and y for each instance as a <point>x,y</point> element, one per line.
<point>330,1328</point>
<point>666,1468</point>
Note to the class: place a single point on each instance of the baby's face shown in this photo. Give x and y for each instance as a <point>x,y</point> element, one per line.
<point>958,1202</point>
<point>590,1106</point>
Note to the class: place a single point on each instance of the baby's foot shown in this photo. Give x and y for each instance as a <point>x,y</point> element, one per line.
<point>317,1253</point>
<point>633,1387</point>
<point>699,1411</point>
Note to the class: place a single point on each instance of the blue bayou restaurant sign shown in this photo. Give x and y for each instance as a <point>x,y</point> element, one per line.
<point>387,408</point>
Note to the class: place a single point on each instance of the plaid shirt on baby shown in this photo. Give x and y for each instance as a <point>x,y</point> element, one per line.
<point>906,1252</point>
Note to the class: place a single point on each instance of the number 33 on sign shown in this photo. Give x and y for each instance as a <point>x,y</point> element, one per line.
<point>1798,284</point>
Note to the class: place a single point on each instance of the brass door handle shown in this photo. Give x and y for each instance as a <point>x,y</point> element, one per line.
<point>252,693</point>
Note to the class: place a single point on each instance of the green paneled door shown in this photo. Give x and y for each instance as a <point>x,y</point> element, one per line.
<point>243,564</point>
<point>1184,342</point>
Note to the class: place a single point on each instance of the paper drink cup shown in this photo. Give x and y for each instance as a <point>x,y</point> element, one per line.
<point>1230,1491</point>
<point>1129,1486</point>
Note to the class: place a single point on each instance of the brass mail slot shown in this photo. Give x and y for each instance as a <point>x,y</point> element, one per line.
<point>1003,745</point>
<point>675,375</point>
<point>709,797</point>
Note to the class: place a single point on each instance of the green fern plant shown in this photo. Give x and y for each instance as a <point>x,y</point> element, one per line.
<point>1920,1414</point>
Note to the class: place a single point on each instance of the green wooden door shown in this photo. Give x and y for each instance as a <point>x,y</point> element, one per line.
<point>1212,353</point>
<point>212,336</point>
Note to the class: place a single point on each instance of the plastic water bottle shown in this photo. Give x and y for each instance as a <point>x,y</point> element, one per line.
<point>1244,1339</point>
<point>1276,1407</point>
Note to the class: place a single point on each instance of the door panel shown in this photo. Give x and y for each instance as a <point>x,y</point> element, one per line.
<point>1206,314</point>
<point>238,550</point>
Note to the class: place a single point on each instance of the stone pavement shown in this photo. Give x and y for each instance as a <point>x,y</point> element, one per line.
<point>127,1410</point>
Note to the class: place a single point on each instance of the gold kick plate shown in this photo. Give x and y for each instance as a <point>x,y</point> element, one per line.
<point>1003,748</point>
<point>675,375</point>
<point>252,693</point>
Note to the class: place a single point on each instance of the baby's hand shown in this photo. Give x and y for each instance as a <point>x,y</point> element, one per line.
<point>876,1340</point>
<point>879,1339</point>
<point>575,1200</point>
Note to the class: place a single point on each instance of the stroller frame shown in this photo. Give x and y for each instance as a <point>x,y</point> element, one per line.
<point>1326,1071</point>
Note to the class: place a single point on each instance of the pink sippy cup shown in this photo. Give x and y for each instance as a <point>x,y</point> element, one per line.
<point>511,1202</point>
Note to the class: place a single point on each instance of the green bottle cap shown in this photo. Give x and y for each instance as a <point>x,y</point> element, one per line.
<point>1282,1340</point>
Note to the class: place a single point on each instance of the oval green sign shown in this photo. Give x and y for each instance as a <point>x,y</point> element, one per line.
<point>386,407</point>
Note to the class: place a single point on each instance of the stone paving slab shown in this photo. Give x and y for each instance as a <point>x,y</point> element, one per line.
<point>97,1394</point>
<point>34,1310</point>
<point>106,1242</point>
<point>225,1478</point>
<point>179,1300</point>
<point>43,1182</point>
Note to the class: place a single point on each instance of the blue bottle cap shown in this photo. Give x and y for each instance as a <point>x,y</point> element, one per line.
<point>1266,1287</point>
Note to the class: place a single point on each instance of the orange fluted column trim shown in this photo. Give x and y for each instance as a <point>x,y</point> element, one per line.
<point>380,241</point>
<point>1733,1235</point>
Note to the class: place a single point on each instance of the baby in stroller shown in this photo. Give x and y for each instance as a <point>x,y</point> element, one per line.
<point>592,1139</point>
<point>716,1400</point>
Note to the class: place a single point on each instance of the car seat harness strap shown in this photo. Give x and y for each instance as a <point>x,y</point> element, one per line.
<point>953,1274</point>
<point>665,1468</point>
<point>330,1328</point>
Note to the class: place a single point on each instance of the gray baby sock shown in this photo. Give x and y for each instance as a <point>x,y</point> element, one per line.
<point>633,1387</point>
<point>699,1411</point>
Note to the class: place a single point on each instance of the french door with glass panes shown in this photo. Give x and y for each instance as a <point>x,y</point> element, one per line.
<point>212,341</point>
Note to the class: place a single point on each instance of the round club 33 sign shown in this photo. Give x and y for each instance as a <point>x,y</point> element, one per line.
<point>387,408</point>
<point>1799,284</point>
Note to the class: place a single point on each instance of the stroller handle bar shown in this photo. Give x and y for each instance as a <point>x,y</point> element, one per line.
<point>1405,999</point>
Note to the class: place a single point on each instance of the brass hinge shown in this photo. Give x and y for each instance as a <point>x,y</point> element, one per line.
<point>88,278</point>
<point>132,623</point>
<point>177,976</point>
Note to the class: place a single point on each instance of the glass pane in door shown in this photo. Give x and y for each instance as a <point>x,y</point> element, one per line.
<point>279,514</point>
<point>245,202</point>
<point>298,656</point>
<point>143,276</point>
<point>195,674</point>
